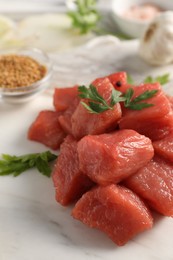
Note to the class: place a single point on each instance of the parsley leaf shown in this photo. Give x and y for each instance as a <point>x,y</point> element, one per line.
<point>149,79</point>
<point>163,79</point>
<point>97,104</point>
<point>128,96</point>
<point>98,108</point>
<point>16,165</point>
<point>147,94</point>
<point>134,103</point>
<point>89,108</point>
<point>85,17</point>
<point>130,80</point>
<point>139,106</point>
<point>116,97</point>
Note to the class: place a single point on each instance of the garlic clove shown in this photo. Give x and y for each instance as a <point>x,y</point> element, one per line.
<point>156,46</point>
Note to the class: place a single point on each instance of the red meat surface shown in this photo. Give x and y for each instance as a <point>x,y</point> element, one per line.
<point>154,122</point>
<point>164,147</point>
<point>155,129</point>
<point>47,130</point>
<point>63,97</point>
<point>118,80</point>
<point>110,158</point>
<point>114,210</point>
<point>154,183</point>
<point>69,181</point>
<point>65,118</point>
<point>84,122</point>
<point>170,98</point>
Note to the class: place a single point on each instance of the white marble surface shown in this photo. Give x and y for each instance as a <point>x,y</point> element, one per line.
<point>32,225</point>
<point>33,6</point>
<point>22,7</point>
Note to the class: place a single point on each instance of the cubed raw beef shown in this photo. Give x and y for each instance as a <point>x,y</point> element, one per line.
<point>154,122</point>
<point>154,183</point>
<point>170,98</point>
<point>69,181</point>
<point>110,158</point>
<point>155,129</point>
<point>84,122</point>
<point>118,80</point>
<point>65,118</point>
<point>63,97</point>
<point>115,210</point>
<point>164,147</point>
<point>47,130</point>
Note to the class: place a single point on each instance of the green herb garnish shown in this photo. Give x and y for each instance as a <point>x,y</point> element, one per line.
<point>97,104</point>
<point>130,80</point>
<point>85,17</point>
<point>134,103</point>
<point>163,79</point>
<point>16,165</point>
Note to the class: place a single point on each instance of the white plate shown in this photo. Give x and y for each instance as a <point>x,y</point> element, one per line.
<point>32,225</point>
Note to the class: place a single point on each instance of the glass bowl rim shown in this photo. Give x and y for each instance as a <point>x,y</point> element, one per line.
<point>36,85</point>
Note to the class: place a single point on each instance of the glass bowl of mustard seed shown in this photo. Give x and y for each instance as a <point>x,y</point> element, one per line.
<point>24,73</point>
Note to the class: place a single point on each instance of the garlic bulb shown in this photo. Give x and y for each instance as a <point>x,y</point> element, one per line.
<point>156,46</point>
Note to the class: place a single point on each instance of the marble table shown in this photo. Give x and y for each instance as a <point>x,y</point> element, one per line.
<point>32,225</point>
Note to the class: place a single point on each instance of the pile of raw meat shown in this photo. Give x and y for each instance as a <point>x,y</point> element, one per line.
<point>117,164</point>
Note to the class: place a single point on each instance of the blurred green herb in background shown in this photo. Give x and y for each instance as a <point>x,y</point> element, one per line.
<point>163,79</point>
<point>86,16</point>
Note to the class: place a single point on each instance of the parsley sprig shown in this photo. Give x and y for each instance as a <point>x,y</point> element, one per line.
<point>86,16</point>
<point>163,79</point>
<point>130,80</point>
<point>97,104</point>
<point>136,104</point>
<point>15,165</point>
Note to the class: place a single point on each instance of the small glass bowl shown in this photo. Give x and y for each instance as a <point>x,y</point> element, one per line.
<point>26,93</point>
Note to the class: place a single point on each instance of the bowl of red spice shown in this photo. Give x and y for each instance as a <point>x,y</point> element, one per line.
<point>24,73</point>
<point>134,16</point>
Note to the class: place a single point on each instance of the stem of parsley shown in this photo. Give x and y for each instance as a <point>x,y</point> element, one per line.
<point>85,17</point>
<point>15,165</point>
<point>96,104</point>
